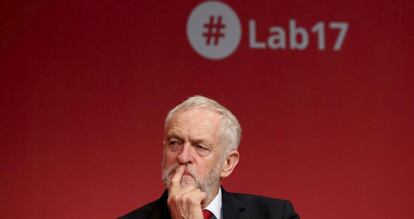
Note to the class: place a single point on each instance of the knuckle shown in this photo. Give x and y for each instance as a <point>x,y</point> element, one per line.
<point>171,202</point>
<point>190,199</point>
<point>180,198</point>
<point>184,198</point>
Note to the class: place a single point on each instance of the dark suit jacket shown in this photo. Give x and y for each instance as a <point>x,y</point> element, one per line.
<point>234,205</point>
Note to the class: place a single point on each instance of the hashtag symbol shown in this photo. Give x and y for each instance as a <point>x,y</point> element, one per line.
<point>213,30</point>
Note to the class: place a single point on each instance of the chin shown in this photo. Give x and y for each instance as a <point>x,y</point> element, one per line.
<point>187,181</point>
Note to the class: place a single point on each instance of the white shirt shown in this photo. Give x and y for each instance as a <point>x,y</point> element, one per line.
<point>215,205</point>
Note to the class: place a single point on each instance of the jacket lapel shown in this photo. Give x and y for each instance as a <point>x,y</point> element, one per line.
<point>232,207</point>
<point>161,210</point>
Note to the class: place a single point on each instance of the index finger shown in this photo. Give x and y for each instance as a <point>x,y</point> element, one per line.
<point>176,179</point>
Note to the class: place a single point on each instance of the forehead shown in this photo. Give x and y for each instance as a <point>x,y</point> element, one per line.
<point>195,121</point>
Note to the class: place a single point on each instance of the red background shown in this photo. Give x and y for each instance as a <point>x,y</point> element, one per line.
<point>85,86</point>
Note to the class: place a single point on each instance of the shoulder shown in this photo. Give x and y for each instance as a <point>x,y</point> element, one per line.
<point>145,211</point>
<point>261,206</point>
<point>153,210</point>
<point>257,199</point>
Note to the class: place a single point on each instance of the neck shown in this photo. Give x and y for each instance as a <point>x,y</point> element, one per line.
<point>210,197</point>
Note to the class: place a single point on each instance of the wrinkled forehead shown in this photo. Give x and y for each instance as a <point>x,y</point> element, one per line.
<point>196,123</point>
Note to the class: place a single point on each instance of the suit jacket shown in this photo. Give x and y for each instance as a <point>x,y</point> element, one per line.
<point>234,205</point>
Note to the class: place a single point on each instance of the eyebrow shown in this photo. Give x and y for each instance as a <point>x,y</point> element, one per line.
<point>194,140</point>
<point>173,135</point>
<point>204,141</point>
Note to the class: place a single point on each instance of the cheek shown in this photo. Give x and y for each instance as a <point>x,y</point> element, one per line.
<point>205,168</point>
<point>169,158</point>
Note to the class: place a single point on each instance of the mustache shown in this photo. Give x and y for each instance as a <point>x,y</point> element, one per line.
<point>204,185</point>
<point>188,171</point>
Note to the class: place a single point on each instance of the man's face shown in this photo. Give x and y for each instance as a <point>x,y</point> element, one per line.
<point>192,139</point>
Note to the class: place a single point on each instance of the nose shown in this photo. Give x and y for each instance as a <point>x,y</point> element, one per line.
<point>185,156</point>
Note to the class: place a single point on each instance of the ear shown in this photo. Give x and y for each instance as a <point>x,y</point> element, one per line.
<point>229,164</point>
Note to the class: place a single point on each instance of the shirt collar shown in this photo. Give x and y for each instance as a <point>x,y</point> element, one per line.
<point>215,205</point>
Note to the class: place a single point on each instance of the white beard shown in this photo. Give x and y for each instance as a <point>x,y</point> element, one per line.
<point>212,180</point>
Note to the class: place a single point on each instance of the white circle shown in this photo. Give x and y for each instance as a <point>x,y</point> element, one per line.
<point>223,39</point>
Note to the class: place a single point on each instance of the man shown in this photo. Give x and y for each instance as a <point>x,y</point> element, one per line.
<point>200,149</point>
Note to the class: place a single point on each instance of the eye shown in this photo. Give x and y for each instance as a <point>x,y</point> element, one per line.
<point>174,144</point>
<point>201,149</point>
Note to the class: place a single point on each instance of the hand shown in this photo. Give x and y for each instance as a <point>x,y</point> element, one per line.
<point>185,202</point>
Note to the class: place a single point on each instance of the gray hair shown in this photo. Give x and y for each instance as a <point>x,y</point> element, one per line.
<point>230,130</point>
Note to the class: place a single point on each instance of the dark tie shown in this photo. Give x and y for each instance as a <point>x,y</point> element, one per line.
<point>207,214</point>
